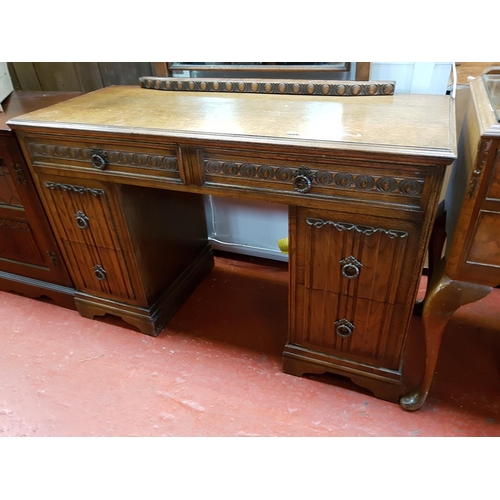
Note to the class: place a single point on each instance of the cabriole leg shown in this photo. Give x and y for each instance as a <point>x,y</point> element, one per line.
<point>443,298</point>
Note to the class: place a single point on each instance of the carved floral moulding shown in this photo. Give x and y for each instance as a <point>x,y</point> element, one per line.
<point>340,180</point>
<point>339,88</point>
<point>144,160</point>
<point>73,188</point>
<point>346,226</point>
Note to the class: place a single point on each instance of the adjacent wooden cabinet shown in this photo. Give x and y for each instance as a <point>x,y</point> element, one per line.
<point>30,260</point>
<point>122,171</point>
<point>471,263</point>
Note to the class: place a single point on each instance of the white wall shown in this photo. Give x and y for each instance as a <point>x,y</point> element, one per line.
<point>5,83</point>
<point>247,227</point>
<point>414,77</point>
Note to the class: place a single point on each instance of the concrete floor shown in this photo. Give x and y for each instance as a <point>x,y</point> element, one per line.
<point>215,370</point>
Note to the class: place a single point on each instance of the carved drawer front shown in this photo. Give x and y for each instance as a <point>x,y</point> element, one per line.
<point>119,159</point>
<point>363,259</point>
<point>318,178</point>
<point>349,327</point>
<point>85,226</point>
<point>353,278</point>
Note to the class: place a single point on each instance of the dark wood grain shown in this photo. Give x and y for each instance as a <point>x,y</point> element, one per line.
<point>75,76</point>
<point>89,75</point>
<point>123,73</point>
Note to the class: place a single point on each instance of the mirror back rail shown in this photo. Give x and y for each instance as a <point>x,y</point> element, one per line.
<point>339,88</point>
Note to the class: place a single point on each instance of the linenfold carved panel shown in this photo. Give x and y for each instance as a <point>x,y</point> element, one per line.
<point>8,192</point>
<point>17,242</point>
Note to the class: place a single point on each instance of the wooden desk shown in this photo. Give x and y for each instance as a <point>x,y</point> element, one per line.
<point>471,266</point>
<point>30,261</point>
<point>121,172</point>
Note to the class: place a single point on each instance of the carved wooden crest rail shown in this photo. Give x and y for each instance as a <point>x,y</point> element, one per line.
<point>257,86</point>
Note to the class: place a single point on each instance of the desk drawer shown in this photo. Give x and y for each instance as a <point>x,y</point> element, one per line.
<point>100,271</point>
<point>363,330</point>
<point>366,257</point>
<point>313,177</point>
<point>121,159</point>
<point>82,212</point>
<point>367,331</point>
<point>86,222</point>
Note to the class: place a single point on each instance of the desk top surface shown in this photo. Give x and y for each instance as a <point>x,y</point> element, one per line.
<point>402,123</point>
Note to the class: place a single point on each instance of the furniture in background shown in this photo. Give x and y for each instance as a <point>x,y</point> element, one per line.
<point>471,265</point>
<point>75,76</point>
<point>290,70</point>
<point>30,260</point>
<point>122,172</point>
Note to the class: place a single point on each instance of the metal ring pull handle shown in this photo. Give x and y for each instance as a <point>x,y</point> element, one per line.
<point>99,272</point>
<point>344,328</point>
<point>302,184</point>
<point>82,221</point>
<point>350,267</point>
<point>99,159</point>
<point>303,179</point>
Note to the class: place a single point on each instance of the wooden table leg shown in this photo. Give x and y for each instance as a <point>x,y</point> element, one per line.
<point>435,251</point>
<point>443,298</point>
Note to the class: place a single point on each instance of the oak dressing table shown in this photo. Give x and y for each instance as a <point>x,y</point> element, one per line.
<point>121,172</point>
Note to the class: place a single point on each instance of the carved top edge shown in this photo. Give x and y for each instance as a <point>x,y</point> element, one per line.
<point>339,88</point>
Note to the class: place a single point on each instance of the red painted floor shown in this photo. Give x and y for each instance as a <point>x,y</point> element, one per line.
<point>215,370</point>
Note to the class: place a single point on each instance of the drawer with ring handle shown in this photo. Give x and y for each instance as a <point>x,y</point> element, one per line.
<point>82,212</point>
<point>137,158</point>
<point>312,177</point>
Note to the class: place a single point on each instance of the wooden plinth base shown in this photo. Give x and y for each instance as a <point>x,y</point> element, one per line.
<point>383,384</point>
<point>150,320</point>
<point>61,295</point>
